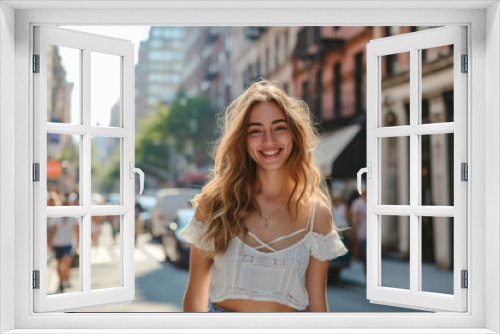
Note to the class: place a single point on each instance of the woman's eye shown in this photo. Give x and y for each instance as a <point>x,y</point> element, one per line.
<point>254,132</point>
<point>280,128</point>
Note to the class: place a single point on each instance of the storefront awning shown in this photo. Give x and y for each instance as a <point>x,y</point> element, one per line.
<point>332,144</point>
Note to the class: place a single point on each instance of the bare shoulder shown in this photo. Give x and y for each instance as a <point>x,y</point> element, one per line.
<point>323,221</point>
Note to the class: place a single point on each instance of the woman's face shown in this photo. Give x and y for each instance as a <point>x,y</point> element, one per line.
<point>269,140</point>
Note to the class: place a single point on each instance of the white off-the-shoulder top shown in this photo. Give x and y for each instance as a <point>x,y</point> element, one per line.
<point>244,272</point>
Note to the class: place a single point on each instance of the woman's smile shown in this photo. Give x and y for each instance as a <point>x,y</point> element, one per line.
<point>270,154</point>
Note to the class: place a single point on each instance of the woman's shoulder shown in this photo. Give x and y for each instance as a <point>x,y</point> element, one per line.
<point>323,219</point>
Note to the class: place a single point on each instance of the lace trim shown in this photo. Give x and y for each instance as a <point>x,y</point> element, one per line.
<point>194,233</point>
<point>327,246</point>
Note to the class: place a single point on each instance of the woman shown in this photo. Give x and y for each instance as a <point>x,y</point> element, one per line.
<point>263,232</point>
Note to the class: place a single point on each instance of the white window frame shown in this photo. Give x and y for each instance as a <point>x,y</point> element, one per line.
<point>414,296</point>
<point>483,21</point>
<point>123,50</point>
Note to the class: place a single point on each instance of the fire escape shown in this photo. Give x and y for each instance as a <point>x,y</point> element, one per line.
<point>313,44</point>
<point>253,72</point>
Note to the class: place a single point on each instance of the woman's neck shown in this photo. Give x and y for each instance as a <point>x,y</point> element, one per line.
<point>273,184</point>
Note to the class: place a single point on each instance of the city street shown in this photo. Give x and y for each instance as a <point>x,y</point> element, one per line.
<point>160,285</point>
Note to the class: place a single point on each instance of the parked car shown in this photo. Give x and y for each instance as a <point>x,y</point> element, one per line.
<point>147,203</point>
<point>177,250</point>
<point>168,201</point>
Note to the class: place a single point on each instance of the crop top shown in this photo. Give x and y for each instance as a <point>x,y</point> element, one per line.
<point>244,272</point>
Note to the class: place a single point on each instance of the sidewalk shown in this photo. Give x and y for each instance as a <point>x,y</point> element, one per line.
<point>396,274</point>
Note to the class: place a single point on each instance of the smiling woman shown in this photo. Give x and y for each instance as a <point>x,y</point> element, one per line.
<point>265,189</point>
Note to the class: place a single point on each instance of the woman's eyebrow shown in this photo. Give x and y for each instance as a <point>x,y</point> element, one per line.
<point>273,122</point>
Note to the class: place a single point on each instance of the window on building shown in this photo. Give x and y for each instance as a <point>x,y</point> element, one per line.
<point>359,82</point>
<point>286,44</point>
<point>277,53</point>
<point>155,55</point>
<point>318,101</point>
<point>267,61</point>
<point>305,92</point>
<point>155,77</point>
<point>391,60</point>
<point>337,90</point>
<point>317,34</point>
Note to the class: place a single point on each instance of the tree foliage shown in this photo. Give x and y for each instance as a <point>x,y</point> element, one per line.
<point>186,127</point>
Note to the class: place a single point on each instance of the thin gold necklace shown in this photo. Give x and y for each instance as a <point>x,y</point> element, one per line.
<point>266,225</point>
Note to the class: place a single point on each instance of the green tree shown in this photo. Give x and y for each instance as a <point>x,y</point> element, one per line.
<point>186,127</point>
<point>152,143</point>
<point>191,123</point>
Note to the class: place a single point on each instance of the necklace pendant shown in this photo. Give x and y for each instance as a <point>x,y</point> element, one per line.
<point>266,225</point>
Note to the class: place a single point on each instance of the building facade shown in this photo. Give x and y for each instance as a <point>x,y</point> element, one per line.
<point>207,64</point>
<point>158,71</point>
<point>263,52</point>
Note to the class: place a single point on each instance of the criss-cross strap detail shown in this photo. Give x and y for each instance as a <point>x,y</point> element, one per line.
<point>262,244</point>
<point>267,245</point>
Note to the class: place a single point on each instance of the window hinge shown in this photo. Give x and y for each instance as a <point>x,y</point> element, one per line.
<point>36,172</point>
<point>465,279</point>
<point>36,63</point>
<point>465,64</point>
<point>464,171</point>
<point>36,279</point>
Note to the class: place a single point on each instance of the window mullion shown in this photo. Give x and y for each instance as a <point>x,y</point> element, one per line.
<point>86,191</point>
<point>414,170</point>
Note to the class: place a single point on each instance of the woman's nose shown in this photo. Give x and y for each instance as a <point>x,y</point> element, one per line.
<point>269,137</point>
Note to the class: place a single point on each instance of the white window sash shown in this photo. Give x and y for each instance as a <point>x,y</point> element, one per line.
<point>87,297</point>
<point>414,297</point>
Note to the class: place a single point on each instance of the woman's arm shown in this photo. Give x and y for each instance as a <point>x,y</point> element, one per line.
<point>316,285</point>
<point>318,270</point>
<point>196,296</point>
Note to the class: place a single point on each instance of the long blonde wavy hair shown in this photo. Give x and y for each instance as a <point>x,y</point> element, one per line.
<point>228,198</point>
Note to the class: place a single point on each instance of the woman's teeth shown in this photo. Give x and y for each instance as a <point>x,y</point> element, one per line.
<point>269,153</point>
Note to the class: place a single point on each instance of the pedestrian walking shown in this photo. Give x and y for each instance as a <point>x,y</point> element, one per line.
<point>64,233</point>
<point>137,221</point>
<point>339,210</point>
<point>263,232</point>
<point>358,218</point>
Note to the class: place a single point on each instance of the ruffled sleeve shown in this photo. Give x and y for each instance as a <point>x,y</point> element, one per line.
<point>194,233</point>
<point>327,246</point>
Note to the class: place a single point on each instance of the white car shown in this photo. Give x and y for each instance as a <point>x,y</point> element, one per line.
<point>168,201</point>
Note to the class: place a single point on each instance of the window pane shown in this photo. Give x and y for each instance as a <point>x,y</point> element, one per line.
<point>437,254</point>
<point>105,252</point>
<point>437,84</point>
<point>395,251</point>
<point>63,84</point>
<point>395,170</point>
<point>105,89</point>
<point>105,171</point>
<point>63,169</point>
<point>395,89</point>
<point>437,169</point>
<point>63,265</point>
